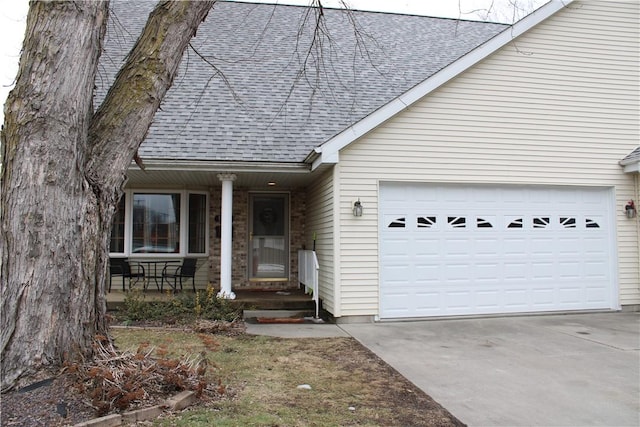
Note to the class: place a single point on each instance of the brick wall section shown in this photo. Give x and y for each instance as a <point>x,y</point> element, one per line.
<point>240,239</point>
<point>215,195</point>
<point>298,203</point>
<point>239,273</point>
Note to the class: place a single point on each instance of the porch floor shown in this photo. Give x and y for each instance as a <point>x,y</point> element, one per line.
<point>290,299</point>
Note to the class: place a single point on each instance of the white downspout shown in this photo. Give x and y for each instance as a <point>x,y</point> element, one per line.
<point>636,185</point>
<point>226,232</point>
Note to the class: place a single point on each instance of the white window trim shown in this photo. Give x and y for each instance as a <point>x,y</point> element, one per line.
<point>184,224</point>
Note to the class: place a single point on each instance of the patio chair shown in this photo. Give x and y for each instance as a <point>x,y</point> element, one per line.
<point>186,270</point>
<point>121,267</point>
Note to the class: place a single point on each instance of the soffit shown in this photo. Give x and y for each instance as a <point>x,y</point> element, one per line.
<point>158,176</point>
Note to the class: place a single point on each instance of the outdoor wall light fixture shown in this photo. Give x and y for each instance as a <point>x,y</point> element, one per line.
<point>630,209</point>
<point>357,208</point>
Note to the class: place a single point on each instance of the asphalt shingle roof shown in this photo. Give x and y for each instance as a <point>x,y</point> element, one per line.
<point>631,157</point>
<point>279,99</point>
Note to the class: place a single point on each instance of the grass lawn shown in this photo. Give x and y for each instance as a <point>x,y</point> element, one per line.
<point>350,386</point>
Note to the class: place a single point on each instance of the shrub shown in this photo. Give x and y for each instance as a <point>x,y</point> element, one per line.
<point>181,308</point>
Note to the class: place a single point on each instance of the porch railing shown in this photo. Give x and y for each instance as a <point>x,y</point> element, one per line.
<point>308,275</point>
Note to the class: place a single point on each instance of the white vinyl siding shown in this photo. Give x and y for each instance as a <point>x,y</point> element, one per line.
<point>320,221</point>
<point>558,106</point>
<point>358,251</point>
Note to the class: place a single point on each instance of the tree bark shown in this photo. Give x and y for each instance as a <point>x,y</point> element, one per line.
<point>63,171</point>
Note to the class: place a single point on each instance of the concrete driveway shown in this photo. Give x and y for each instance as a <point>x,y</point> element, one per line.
<point>556,370</point>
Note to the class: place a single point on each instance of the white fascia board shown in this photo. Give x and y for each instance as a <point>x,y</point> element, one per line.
<point>631,163</point>
<point>329,150</point>
<point>632,167</point>
<point>218,166</point>
<point>328,158</point>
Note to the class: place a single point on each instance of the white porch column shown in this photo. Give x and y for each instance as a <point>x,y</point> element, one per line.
<point>226,231</point>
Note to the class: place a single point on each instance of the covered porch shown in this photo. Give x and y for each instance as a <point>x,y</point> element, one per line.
<point>302,300</point>
<point>245,228</point>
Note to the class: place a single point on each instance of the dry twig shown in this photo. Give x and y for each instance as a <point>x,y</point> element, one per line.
<point>116,380</point>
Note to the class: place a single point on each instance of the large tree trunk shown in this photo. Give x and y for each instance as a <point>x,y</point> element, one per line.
<point>50,222</point>
<point>62,173</point>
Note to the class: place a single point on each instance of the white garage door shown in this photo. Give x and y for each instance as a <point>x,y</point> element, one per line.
<point>454,250</point>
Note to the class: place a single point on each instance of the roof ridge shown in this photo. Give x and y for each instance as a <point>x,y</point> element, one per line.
<point>333,8</point>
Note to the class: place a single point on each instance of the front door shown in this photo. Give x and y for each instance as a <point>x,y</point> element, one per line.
<point>269,237</point>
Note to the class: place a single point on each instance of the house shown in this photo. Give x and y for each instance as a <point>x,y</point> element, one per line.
<point>486,160</point>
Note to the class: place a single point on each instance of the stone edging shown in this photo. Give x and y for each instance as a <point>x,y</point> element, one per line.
<point>175,403</point>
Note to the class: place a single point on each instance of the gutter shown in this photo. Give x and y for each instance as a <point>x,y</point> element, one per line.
<point>631,164</point>
<point>222,166</point>
<point>313,155</point>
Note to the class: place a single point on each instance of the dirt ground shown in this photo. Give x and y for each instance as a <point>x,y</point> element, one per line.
<point>52,404</point>
<point>384,392</point>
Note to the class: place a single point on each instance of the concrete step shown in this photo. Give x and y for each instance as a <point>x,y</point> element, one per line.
<point>269,304</point>
<point>274,300</point>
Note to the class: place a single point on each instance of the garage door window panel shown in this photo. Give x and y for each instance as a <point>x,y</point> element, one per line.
<point>396,222</point>
<point>541,222</point>
<point>483,223</point>
<point>567,222</point>
<point>515,223</point>
<point>592,223</point>
<point>457,222</point>
<point>427,221</point>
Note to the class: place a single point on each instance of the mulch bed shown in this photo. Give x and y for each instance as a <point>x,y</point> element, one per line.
<point>51,402</point>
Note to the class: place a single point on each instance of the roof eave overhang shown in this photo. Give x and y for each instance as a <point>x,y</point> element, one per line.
<point>328,153</point>
<point>223,166</point>
<point>631,166</point>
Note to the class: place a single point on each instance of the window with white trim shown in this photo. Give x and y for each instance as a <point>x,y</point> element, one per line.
<point>160,222</point>
<point>197,236</point>
<point>116,245</point>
